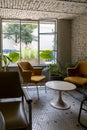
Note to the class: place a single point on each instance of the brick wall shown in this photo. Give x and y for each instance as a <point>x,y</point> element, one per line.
<point>79,39</point>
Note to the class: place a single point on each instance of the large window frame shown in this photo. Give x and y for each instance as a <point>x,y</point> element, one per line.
<point>40,34</point>
<point>49,33</point>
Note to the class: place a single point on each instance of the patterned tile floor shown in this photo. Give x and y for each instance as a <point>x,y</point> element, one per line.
<point>45,117</point>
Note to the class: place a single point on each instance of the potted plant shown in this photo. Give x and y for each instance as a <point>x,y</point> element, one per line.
<point>55,70</point>
<point>56,73</point>
<point>7,59</point>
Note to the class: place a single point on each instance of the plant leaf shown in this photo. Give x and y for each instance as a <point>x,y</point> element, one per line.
<point>14,56</point>
<point>4,58</point>
<point>46,54</point>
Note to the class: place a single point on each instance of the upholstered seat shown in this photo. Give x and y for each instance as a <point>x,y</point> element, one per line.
<point>31,74</point>
<point>12,118</point>
<point>76,80</point>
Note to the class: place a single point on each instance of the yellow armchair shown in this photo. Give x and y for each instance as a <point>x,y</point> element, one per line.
<point>77,74</point>
<point>31,74</point>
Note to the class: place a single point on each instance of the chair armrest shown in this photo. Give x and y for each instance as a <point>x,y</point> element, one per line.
<point>72,72</point>
<point>29,102</point>
<point>27,71</point>
<point>26,95</point>
<point>37,70</point>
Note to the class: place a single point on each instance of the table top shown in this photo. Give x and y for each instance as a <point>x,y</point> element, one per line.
<point>60,85</point>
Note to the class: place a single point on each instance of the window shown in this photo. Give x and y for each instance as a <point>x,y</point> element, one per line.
<point>48,40</point>
<point>30,39</point>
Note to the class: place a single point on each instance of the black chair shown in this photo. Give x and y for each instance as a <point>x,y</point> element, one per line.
<point>13,99</point>
<point>83,108</point>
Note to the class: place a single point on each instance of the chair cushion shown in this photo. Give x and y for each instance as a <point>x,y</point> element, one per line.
<point>76,79</point>
<point>37,78</point>
<point>14,115</point>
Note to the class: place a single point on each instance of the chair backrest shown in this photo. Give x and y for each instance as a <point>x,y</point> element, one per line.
<point>83,67</point>
<point>26,71</point>
<point>10,86</point>
<point>25,65</point>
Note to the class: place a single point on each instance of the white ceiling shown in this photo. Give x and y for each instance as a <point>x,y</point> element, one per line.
<point>37,9</point>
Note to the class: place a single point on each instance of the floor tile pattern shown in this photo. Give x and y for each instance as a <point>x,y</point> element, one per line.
<point>45,117</point>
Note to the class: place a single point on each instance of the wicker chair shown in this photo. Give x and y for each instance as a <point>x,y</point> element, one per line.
<point>31,74</point>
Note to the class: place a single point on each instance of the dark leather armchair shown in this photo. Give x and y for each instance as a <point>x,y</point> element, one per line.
<point>13,100</point>
<point>31,74</point>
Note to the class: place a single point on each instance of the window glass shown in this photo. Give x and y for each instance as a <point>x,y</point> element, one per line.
<point>46,42</point>
<point>29,42</point>
<point>10,36</point>
<point>47,28</point>
<point>30,39</point>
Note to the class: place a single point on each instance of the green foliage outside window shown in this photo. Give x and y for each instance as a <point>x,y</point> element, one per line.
<point>29,54</point>
<point>47,54</point>
<point>23,33</point>
<point>12,31</point>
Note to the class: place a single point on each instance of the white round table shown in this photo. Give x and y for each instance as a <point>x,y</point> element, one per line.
<point>60,86</point>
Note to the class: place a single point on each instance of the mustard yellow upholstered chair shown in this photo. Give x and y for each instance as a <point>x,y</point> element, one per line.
<point>31,74</point>
<point>12,105</point>
<point>77,74</point>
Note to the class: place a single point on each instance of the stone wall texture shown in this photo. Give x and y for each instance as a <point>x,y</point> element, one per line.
<point>79,39</point>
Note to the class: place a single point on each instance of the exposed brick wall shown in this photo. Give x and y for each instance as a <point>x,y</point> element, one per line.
<point>79,39</point>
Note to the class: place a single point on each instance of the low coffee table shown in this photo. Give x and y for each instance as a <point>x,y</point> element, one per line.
<point>60,86</point>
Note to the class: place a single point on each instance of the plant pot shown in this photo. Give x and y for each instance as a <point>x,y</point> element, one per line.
<point>56,77</point>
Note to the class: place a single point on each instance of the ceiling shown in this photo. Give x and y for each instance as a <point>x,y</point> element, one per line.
<point>38,9</point>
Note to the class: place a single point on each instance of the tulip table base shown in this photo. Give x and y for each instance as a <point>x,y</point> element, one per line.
<point>60,86</point>
<point>59,103</point>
